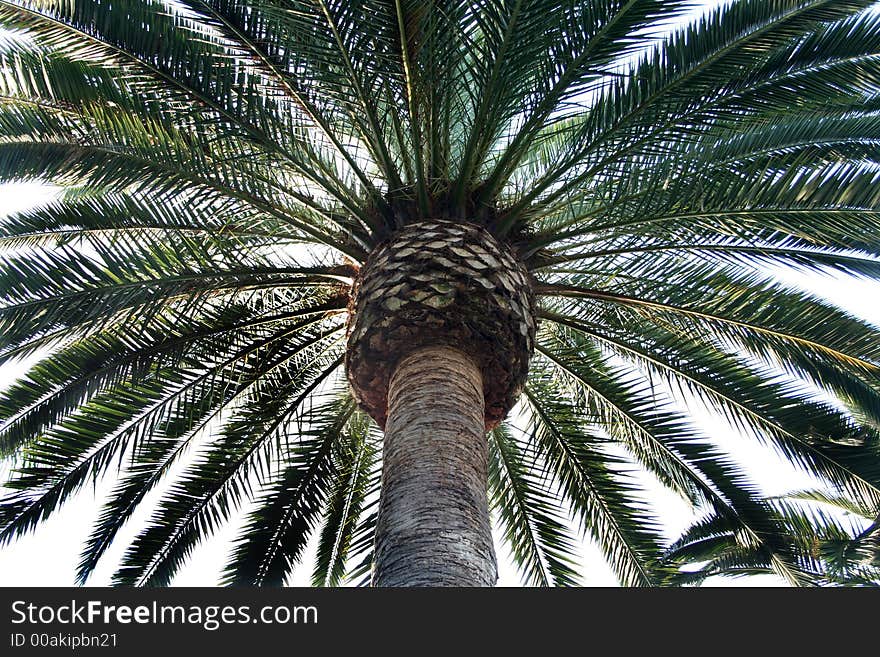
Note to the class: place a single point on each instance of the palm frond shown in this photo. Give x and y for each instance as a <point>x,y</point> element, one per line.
<point>533,524</point>
<point>277,531</point>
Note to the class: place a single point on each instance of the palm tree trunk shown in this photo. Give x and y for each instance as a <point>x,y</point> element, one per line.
<point>433,526</point>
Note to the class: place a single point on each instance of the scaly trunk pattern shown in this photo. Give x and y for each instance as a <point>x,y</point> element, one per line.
<point>433,527</point>
<point>441,329</point>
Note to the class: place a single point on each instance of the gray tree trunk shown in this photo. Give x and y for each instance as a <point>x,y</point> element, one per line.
<point>433,526</point>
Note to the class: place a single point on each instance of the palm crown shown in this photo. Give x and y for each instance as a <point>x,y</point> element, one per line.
<point>228,166</point>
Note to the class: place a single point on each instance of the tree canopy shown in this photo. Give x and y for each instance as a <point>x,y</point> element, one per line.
<point>227,165</point>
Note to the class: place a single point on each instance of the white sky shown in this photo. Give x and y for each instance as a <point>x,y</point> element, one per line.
<point>48,556</point>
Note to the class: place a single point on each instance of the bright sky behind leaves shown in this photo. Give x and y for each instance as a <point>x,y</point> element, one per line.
<point>48,556</point>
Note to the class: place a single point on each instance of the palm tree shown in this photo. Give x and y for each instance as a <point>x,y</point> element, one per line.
<point>346,266</point>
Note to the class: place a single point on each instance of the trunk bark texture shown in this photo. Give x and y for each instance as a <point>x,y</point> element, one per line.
<point>433,527</point>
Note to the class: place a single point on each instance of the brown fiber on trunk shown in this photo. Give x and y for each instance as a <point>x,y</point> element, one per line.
<point>441,283</point>
<point>433,527</point>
